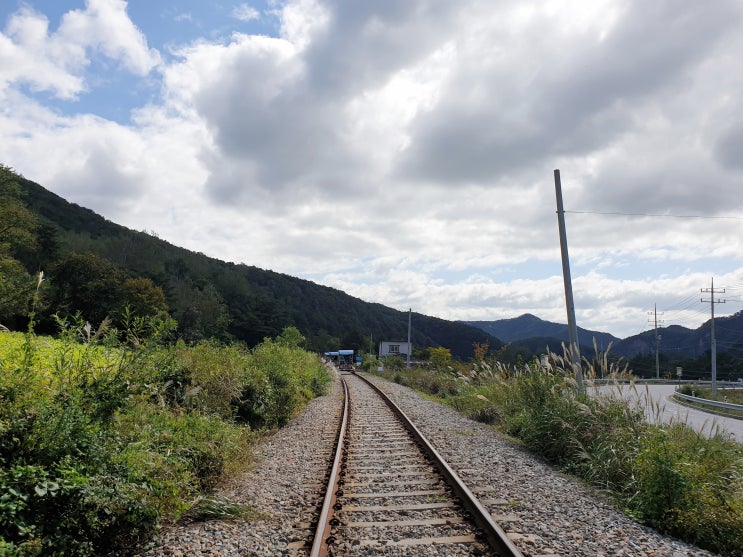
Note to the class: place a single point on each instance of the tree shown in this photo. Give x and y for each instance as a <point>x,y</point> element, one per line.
<point>143,297</point>
<point>44,252</point>
<point>16,289</point>
<point>322,341</point>
<point>354,340</point>
<point>87,284</point>
<point>96,288</point>
<point>440,357</point>
<point>481,350</point>
<point>291,337</point>
<point>199,310</point>
<point>17,223</point>
<point>49,246</point>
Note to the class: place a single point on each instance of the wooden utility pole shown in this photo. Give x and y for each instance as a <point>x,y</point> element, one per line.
<point>410,346</point>
<point>572,326</point>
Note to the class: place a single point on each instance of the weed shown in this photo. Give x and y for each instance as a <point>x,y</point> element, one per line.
<point>212,507</point>
<point>105,434</point>
<point>670,477</point>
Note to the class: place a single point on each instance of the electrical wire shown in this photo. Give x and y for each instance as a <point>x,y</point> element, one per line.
<point>616,213</point>
<point>685,305</point>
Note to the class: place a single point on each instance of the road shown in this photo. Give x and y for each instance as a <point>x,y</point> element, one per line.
<point>660,408</point>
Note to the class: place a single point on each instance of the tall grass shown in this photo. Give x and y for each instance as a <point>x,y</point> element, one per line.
<point>670,477</point>
<point>106,434</point>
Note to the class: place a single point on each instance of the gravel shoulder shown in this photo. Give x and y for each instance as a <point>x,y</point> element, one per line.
<point>545,511</point>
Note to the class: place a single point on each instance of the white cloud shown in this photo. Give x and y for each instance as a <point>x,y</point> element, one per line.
<point>28,56</point>
<point>301,20</point>
<point>56,61</point>
<point>245,12</point>
<point>403,151</point>
<point>104,25</point>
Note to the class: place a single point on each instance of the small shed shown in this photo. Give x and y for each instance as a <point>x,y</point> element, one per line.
<point>395,348</point>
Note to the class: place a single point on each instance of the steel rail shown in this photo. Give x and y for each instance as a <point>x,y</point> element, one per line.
<point>322,531</point>
<point>495,535</point>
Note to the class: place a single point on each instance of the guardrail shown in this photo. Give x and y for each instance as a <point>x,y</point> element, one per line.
<point>654,381</point>
<point>711,403</point>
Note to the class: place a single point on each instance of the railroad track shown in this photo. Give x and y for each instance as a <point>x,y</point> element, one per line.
<point>390,492</point>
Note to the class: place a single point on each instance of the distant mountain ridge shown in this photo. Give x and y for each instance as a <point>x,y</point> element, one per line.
<point>528,326</point>
<point>533,333</point>
<point>691,343</point>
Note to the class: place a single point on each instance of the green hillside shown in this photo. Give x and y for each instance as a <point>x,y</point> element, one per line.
<point>98,267</point>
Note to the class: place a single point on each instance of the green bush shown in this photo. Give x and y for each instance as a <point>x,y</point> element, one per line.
<point>62,510</point>
<point>689,486</point>
<point>430,380</point>
<point>671,478</point>
<point>105,434</point>
<point>546,412</point>
<point>280,381</point>
<point>474,404</point>
<point>176,454</point>
<point>210,377</point>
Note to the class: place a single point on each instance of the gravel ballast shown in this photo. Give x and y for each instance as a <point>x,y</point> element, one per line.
<point>544,511</point>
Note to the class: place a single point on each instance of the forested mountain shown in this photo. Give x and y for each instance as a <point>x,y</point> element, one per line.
<point>534,333</point>
<point>97,267</point>
<point>680,341</point>
<point>679,347</point>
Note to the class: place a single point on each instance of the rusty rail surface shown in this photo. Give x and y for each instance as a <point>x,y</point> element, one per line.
<point>495,537</point>
<point>322,532</point>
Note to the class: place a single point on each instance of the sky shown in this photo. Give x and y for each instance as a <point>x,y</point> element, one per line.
<point>403,152</point>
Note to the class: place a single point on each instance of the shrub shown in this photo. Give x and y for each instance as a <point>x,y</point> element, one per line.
<point>669,477</point>
<point>211,377</point>
<point>280,381</point>
<point>689,486</point>
<point>104,434</point>
<point>476,406</point>
<point>427,379</point>
<point>176,454</point>
<point>61,510</point>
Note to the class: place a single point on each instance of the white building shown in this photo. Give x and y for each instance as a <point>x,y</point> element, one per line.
<point>395,348</point>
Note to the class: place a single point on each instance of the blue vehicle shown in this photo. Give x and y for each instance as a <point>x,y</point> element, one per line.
<point>343,359</point>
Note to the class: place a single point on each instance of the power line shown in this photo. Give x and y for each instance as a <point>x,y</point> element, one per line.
<point>740,331</point>
<point>685,310</point>
<point>617,213</point>
<point>641,328</point>
<point>691,315</point>
<point>683,304</point>
<point>731,344</point>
